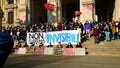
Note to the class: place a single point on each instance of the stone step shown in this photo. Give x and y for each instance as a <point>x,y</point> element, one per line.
<point>103,48</point>
<point>104,51</point>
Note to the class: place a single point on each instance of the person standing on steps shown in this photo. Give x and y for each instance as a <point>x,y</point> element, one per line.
<point>96,34</point>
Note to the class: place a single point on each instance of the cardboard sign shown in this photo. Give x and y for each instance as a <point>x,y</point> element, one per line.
<point>22,51</point>
<point>80,51</point>
<point>30,50</point>
<point>69,51</point>
<point>15,50</point>
<point>48,51</point>
<point>39,50</point>
<point>59,51</point>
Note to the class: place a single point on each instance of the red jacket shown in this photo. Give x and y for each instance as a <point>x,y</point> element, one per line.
<point>95,32</point>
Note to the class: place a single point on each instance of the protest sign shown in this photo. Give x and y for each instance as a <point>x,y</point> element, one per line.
<point>30,50</point>
<point>39,50</point>
<point>48,51</point>
<point>22,51</point>
<point>59,51</point>
<point>80,51</point>
<point>69,51</point>
<point>46,38</point>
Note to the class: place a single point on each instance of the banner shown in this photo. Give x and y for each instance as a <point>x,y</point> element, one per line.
<point>46,38</point>
<point>64,37</point>
<point>35,38</point>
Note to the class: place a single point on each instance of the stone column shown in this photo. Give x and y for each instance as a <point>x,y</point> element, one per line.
<point>28,12</point>
<point>116,12</point>
<point>56,15</point>
<point>59,11</point>
<point>15,11</point>
<point>87,15</point>
<point>81,10</point>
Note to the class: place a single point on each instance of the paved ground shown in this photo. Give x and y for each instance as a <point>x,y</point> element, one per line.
<point>41,61</point>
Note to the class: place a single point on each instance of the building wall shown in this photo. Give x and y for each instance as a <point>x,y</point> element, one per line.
<point>56,15</point>
<point>116,12</point>
<point>87,15</point>
<point>19,9</point>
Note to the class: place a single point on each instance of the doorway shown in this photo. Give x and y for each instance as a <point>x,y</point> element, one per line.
<point>68,8</point>
<point>104,9</point>
<point>39,13</point>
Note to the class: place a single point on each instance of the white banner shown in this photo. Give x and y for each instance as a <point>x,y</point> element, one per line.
<point>35,38</point>
<point>46,38</point>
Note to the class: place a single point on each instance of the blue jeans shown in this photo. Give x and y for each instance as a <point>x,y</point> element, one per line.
<point>107,34</point>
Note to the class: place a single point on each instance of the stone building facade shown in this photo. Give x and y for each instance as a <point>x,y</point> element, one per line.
<point>14,12</point>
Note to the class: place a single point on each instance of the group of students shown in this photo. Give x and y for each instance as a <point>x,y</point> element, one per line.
<point>78,45</point>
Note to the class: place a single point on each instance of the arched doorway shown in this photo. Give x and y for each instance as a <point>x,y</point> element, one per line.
<point>104,9</point>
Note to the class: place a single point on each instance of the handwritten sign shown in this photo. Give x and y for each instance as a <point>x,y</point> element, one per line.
<point>59,51</point>
<point>30,50</point>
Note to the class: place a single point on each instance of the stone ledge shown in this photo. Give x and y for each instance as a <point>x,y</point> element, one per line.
<point>10,6</point>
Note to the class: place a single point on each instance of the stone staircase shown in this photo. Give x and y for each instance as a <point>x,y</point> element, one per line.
<point>103,48</point>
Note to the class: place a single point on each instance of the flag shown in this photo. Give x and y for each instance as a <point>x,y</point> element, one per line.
<point>49,7</point>
<point>77,13</point>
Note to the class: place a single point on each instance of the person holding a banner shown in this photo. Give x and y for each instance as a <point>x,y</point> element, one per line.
<point>50,45</point>
<point>96,34</point>
<point>69,45</point>
<point>59,45</point>
<point>78,45</point>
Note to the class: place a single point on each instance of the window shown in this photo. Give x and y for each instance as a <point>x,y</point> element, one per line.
<point>10,17</point>
<point>10,1</point>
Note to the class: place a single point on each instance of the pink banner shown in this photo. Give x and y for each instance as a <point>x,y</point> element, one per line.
<point>15,50</point>
<point>69,51</point>
<point>39,50</point>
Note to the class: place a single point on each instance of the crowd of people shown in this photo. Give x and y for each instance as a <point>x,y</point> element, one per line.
<point>100,30</point>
